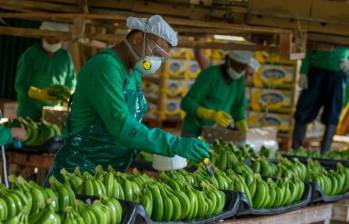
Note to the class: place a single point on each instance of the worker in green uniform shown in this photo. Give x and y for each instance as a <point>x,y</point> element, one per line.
<point>218,95</point>
<point>7,134</point>
<point>41,66</point>
<point>104,125</point>
<point>323,79</point>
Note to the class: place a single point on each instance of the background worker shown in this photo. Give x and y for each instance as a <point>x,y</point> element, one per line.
<point>41,66</point>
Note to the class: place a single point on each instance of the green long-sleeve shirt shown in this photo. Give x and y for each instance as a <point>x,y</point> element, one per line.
<point>329,60</point>
<point>5,136</point>
<point>37,68</point>
<point>210,90</point>
<point>99,93</point>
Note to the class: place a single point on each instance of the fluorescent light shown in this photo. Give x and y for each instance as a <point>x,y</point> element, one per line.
<point>226,37</point>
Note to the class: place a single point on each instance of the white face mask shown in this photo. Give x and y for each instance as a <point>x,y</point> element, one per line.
<point>146,65</point>
<point>233,74</point>
<point>52,48</point>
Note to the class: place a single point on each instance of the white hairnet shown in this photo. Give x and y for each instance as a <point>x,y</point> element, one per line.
<point>155,25</point>
<point>242,57</point>
<point>254,64</point>
<point>52,26</point>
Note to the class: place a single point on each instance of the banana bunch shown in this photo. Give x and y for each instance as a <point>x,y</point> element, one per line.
<point>37,132</point>
<point>164,203</point>
<point>61,92</point>
<point>332,154</point>
<point>104,211</point>
<point>268,193</point>
<point>284,168</point>
<point>65,194</point>
<point>332,182</point>
<point>47,214</point>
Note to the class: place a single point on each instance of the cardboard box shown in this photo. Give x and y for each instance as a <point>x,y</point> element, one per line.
<point>193,70</point>
<point>256,137</point>
<point>176,88</point>
<point>281,122</point>
<point>55,115</point>
<point>274,75</point>
<point>271,99</point>
<point>150,89</point>
<point>182,53</point>
<point>152,111</point>
<point>8,108</point>
<point>176,68</point>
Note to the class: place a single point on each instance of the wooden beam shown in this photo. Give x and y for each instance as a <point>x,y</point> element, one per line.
<point>83,4</point>
<point>171,20</point>
<point>226,46</point>
<point>20,4</point>
<point>34,33</point>
<point>330,39</point>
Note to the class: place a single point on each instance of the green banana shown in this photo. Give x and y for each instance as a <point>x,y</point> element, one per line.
<point>147,202</point>
<point>158,204</point>
<point>261,194</point>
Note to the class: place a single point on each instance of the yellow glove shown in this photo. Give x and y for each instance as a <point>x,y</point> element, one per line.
<point>40,94</point>
<point>242,125</point>
<point>220,117</point>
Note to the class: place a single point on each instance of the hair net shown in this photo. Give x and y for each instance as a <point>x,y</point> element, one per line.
<point>52,26</point>
<point>155,25</point>
<point>254,64</point>
<point>242,57</point>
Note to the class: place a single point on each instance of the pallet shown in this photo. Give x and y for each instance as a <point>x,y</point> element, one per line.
<point>29,164</point>
<point>322,213</point>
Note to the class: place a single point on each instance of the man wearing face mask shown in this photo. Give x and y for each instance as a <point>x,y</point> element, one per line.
<point>104,125</point>
<point>218,95</point>
<point>41,66</point>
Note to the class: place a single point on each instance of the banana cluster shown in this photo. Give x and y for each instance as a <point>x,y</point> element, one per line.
<point>37,132</point>
<point>283,168</point>
<point>28,203</point>
<point>332,182</point>
<point>173,201</point>
<point>225,155</point>
<point>61,92</point>
<point>332,154</point>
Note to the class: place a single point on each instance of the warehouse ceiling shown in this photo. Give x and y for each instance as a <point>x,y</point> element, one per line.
<point>271,25</point>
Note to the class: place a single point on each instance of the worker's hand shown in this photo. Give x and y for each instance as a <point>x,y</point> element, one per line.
<point>192,149</point>
<point>344,65</point>
<point>303,81</point>
<point>19,133</point>
<point>220,117</point>
<point>40,94</point>
<point>223,119</point>
<point>242,125</point>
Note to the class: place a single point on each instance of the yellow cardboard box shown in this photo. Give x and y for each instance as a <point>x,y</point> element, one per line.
<point>271,99</point>
<point>182,53</point>
<point>176,68</point>
<point>274,75</point>
<point>279,121</point>
<point>176,88</point>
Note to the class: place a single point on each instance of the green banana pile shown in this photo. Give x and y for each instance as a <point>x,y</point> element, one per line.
<point>28,203</point>
<point>175,201</point>
<point>335,155</point>
<point>61,92</point>
<point>332,182</point>
<point>37,132</point>
<point>224,154</point>
<point>283,168</point>
<point>267,193</point>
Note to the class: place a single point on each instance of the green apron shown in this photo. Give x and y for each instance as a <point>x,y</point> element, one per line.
<point>94,145</point>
